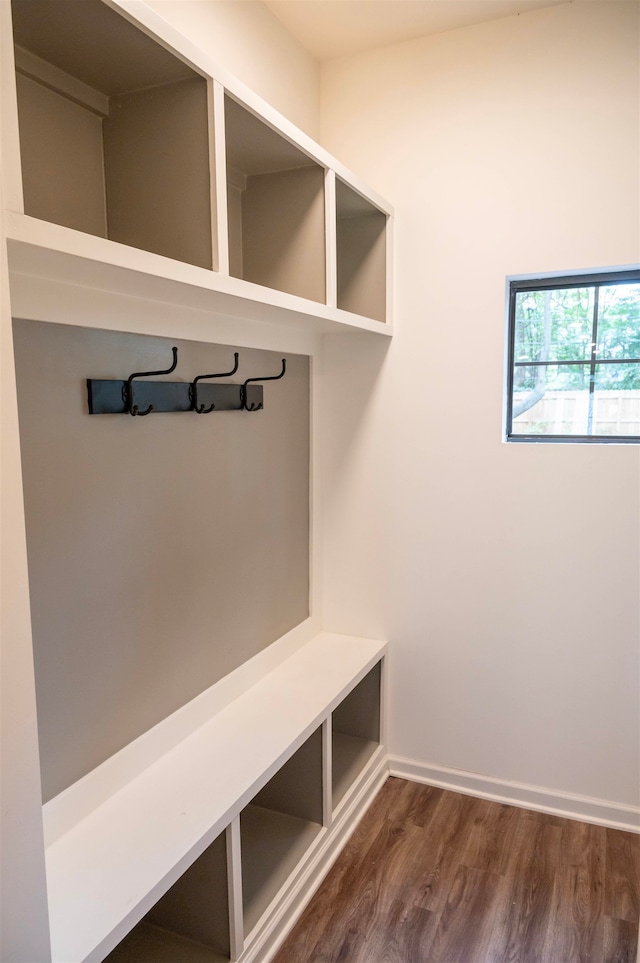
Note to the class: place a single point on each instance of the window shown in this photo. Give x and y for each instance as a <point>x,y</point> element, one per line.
<point>574,358</point>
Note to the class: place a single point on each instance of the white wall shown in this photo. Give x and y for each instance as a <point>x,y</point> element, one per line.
<point>506,577</point>
<point>24,927</point>
<point>246,39</point>
<point>24,935</point>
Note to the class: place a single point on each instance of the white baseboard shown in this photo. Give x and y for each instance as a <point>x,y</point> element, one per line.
<point>601,812</point>
<point>282,915</point>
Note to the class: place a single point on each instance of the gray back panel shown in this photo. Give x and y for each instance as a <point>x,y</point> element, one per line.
<point>163,551</point>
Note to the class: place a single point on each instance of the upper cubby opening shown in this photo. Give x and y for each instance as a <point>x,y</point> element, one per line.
<point>114,130</point>
<point>275,201</point>
<point>361,254</point>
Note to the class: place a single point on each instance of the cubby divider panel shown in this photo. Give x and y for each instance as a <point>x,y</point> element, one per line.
<point>361,254</point>
<point>355,732</point>
<point>190,922</point>
<point>279,826</point>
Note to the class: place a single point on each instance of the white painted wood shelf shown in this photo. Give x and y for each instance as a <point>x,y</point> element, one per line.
<point>147,169</point>
<point>39,252</point>
<point>107,871</point>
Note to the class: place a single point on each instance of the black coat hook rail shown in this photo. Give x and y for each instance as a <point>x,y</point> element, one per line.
<point>134,397</point>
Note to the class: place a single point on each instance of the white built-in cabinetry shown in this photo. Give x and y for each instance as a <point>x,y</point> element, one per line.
<point>135,172</point>
<point>127,139</point>
<point>219,838</point>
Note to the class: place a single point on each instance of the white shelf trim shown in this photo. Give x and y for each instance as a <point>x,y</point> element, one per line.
<point>42,249</point>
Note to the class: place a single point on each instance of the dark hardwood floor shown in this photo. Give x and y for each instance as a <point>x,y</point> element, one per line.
<point>432,876</point>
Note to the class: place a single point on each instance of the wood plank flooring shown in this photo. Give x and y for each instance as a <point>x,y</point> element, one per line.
<point>432,876</point>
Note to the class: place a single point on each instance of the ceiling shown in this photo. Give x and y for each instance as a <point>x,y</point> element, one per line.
<point>333,28</point>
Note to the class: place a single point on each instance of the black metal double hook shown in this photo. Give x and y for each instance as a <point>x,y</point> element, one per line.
<point>200,409</point>
<point>128,387</point>
<point>243,390</point>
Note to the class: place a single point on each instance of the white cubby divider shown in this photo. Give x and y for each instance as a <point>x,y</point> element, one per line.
<point>128,133</point>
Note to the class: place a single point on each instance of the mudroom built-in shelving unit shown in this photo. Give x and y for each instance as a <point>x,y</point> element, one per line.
<point>149,194</point>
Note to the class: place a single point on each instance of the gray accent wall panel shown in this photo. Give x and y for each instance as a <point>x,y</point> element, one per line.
<point>164,551</point>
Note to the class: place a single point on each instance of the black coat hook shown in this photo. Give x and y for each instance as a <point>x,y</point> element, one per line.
<point>128,387</point>
<point>243,395</point>
<point>200,409</point>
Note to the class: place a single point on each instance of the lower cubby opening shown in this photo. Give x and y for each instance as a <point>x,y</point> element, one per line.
<point>278,827</point>
<point>151,944</point>
<point>190,923</point>
<point>355,733</point>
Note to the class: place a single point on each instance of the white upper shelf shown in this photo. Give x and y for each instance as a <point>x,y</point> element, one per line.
<point>38,249</point>
<point>145,169</point>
